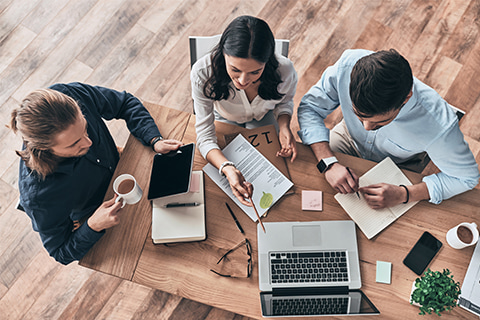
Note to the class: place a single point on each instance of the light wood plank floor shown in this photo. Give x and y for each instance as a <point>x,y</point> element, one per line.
<point>142,46</point>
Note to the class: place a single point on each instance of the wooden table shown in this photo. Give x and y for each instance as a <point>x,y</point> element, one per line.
<point>127,251</point>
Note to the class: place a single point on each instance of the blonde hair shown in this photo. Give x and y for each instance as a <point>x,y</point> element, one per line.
<point>42,115</point>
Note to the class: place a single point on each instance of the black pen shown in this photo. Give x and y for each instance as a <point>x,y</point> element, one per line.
<point>176,204</point>
<point>351,175</point>
<point>234,218</point>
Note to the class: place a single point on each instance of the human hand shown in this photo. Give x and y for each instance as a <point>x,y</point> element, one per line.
<point>342,179</point>
<point>165,146</point>
<point>288,144</point>
<point>106,216</point>
<point>383,195</point>
<point>241,189</point>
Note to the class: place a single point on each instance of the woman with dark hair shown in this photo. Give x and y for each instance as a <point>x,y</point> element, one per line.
<point>243,82</point>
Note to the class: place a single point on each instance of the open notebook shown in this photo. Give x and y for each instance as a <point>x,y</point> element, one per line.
<point>372,221</point>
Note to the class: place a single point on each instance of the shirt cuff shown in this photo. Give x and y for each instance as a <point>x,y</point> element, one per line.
<point>310,136</point>
<point>434,191</point>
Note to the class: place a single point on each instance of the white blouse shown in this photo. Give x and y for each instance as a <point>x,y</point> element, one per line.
<point>236,108</point>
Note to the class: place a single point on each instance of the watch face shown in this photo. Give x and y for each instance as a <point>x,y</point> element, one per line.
<point>321,166</point>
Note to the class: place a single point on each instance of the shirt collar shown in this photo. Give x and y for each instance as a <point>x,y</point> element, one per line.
<point>410,103</point>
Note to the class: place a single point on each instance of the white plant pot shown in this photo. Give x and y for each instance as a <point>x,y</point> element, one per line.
<point>410,297</point>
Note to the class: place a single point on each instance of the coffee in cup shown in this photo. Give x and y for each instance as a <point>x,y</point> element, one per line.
<point>127,189</point>
<point>463,235</point>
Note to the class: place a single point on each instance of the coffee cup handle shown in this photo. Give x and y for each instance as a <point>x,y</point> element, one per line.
<point>120,198</point>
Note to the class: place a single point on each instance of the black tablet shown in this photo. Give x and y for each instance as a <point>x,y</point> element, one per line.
<point>171,172</point>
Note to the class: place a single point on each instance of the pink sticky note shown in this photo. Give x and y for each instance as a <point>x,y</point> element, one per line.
<point>195,182</point>
<point>312,200</point>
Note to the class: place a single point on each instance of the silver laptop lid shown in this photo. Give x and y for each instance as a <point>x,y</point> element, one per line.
<point>470,296</point>
<point>307,237</point>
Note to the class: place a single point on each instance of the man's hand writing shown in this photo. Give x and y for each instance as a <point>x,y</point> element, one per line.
<point>341,180</point>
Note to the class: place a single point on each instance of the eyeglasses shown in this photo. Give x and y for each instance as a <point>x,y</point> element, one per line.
<point>249,261</point>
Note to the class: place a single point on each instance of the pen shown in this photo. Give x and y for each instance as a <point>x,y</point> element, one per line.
<point>176,204</point>
<point>234,218</point>
<point>351,175</point>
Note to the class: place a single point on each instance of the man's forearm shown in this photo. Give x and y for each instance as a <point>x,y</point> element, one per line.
<point>322,150</point>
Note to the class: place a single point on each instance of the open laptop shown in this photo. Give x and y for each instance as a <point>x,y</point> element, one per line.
<point>470,296</point>
<point>310,269</point>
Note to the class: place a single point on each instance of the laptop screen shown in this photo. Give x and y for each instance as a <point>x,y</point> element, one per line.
<point>352,303</point>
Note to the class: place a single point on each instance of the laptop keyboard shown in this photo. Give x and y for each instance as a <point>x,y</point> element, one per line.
<point>308,267</point>
<point>310,306</point>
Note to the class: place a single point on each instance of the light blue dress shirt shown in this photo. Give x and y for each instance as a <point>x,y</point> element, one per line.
<point>425,123</point>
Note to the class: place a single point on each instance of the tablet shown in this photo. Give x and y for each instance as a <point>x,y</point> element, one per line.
<point>171,172</point>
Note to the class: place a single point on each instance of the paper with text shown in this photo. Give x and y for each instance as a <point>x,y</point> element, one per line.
<point>372,221</point>
<point>269,184</point>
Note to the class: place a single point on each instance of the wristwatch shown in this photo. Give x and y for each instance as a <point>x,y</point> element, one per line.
<point>326,163</point>
<point>155,140</point>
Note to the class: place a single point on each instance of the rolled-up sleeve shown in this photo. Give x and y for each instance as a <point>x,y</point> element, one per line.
<point>288,87</point>
<point>459,170</point>
<point>205,118</point>
<point>321,100</point>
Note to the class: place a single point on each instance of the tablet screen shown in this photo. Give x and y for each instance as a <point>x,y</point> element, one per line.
<point>171,172</point>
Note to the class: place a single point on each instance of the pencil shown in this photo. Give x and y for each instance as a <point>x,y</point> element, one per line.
<point>351,175</point>
<point>258,216</point>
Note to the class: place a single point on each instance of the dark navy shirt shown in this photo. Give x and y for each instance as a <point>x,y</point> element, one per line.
<point>78,185</point>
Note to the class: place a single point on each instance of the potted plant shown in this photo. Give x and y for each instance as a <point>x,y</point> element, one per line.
<point>435,291</point>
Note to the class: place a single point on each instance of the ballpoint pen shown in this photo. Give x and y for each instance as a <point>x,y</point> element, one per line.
<point>176,204</point>
<point>234,218</point>
<point>351,175</point>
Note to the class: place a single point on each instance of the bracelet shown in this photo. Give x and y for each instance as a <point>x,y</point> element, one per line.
<point>223,165</point>
<point>155,140</point>
<point>408,193</point>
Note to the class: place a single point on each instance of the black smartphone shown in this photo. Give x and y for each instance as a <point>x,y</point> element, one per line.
<point>422,253</point>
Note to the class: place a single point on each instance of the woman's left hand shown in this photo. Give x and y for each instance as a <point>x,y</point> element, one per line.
<point>288,144</point>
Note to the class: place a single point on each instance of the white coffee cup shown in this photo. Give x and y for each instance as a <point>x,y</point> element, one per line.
<point>127,189</point>
<point>463,235</point>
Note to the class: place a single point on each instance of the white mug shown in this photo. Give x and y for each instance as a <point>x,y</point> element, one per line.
<point>127,189</point>
<point>463,235</point>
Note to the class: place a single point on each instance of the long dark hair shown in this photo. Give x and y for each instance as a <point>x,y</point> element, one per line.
<point>245,37</point>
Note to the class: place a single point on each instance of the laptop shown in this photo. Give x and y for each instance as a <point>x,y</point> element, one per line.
<point>470,297</point>
<point>310,269</point>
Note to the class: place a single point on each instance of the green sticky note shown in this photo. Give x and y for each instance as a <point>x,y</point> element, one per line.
<point>384,272</point>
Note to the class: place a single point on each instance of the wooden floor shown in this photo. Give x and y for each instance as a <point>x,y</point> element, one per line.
<point>142,46</point>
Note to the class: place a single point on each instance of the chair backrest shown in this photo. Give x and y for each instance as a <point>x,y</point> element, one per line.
<point>458,112</point>
<point>200,46</point>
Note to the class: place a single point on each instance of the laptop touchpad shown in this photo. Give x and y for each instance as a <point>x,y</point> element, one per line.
<point>306,236</point>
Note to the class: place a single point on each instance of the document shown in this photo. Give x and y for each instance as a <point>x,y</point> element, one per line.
<point>372,221</point>
<point>269,184</point>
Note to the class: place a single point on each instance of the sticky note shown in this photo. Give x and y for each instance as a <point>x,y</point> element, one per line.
<point>312,200</point>
<point>384,272</point>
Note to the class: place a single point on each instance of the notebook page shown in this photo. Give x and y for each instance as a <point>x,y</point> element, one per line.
<point>369,220</point>
<point>388,172</point>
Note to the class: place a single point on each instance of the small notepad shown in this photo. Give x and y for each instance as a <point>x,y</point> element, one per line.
<point>312,200</point>
<point>384,272</point>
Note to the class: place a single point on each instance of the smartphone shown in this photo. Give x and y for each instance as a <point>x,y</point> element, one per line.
<point>422,253</point>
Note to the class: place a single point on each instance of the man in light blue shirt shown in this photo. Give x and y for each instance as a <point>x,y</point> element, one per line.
<point>386,113</point>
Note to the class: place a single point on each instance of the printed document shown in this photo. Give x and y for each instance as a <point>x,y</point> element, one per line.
<point>269,184</point>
